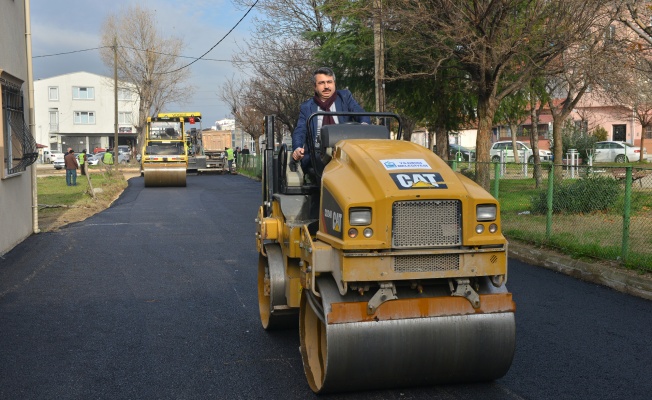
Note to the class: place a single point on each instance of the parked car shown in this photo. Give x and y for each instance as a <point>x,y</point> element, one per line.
<point>98,158</point>
<point>620,152</point>
<point>57,160</point>
<point>92,159</point>
<point>50,155</point>
<point>455,149</point>
<point>524,152</point>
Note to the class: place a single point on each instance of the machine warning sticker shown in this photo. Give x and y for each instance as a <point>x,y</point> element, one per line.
<point>419,180</point>
<point>403,163</point>
<point>331,215</point>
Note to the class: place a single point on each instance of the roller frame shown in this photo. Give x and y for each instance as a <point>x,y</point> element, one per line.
<point>272,303</point>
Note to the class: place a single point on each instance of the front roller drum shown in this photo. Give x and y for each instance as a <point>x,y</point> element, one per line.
<point>272,302</point>
<point>400,352</point>
<point>165,174</point>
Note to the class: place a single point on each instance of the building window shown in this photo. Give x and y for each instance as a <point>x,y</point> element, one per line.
<point>83,93</point>
<point>19,145</point>
<point>84,118</point>
<point>124,118</point>
<point>124,94</point>
<point>53,93</point>
<point>648,132</point>
<point>54,120</point>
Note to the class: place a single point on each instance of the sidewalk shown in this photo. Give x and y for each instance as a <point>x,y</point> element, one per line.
<point>619,279</point>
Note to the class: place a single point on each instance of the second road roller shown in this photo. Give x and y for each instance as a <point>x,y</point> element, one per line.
<point>165,154</point>
<point>392,265</point>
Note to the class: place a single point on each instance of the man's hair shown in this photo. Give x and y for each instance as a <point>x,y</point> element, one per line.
<point>322,70</point>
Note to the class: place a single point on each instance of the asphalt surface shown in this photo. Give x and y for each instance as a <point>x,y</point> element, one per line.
<point>155,298</point>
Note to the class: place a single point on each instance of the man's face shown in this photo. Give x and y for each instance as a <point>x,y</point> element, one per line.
<point>324,86</point>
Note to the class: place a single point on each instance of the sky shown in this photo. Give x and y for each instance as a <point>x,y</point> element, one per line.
<point>71,25</point>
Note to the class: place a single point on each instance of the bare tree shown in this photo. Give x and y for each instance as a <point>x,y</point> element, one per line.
<point>147,60</point>
<point>247,117</point>
<point>280,77</point>
<point>501,45</point>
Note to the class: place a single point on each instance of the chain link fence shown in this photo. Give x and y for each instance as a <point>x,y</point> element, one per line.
<point>602,212</point>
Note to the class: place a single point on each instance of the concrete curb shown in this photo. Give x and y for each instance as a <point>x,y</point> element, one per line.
<point>622,280</point>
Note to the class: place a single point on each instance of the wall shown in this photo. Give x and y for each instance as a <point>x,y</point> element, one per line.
<point>16,190</point>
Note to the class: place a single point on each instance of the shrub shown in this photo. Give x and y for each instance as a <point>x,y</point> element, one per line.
<point>581,196</point>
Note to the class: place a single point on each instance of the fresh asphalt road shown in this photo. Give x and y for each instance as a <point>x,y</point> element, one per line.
<point>155,298</point>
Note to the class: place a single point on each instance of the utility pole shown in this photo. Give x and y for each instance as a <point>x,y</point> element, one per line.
<point>116,161</point>
<point>379,56</point>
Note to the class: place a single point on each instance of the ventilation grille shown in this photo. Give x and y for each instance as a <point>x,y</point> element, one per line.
<point>427,263</point>
<point>426,223</point>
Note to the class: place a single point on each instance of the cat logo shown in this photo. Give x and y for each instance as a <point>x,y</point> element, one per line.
<point>419,180</point>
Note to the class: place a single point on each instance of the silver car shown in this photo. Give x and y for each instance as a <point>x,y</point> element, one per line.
<point>620,152</point>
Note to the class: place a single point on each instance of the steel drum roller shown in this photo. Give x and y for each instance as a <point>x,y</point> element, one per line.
<point>165,174</point>
<point>401,352</point>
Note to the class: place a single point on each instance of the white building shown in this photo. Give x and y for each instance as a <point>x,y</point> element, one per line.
<point>77,111</point>
<point>18,211</point>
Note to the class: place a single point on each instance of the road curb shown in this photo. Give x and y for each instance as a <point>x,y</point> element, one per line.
<point>622,280</point>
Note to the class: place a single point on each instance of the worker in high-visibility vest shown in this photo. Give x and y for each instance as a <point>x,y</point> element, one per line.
<point>83,158</point>
<point>107,159</point>
<point>229,158</point>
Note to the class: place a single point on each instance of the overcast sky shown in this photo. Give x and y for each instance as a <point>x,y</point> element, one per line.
<point>69,25</point>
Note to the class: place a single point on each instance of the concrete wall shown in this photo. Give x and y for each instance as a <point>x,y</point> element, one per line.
<point>15,190</point>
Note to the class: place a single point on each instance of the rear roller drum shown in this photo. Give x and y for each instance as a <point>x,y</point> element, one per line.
<point>272,304</point>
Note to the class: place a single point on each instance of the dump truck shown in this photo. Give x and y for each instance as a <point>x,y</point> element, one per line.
<point>164,156</point>
<point>392,265</point>
<point>213,146</point>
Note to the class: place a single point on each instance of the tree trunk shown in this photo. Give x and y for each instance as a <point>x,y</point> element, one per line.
<point>486,110</point>
<point>442,142</point>
<point>534,140</point>
<point>558,150</point>
<point>514,129</point>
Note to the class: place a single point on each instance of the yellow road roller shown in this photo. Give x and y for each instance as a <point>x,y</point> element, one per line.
<point>165,155</point>
<point>392,265</point>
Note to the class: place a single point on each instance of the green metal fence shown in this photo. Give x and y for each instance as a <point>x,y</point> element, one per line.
<point>599,212</point>
<point>250,165</point>
<point>602,212</point>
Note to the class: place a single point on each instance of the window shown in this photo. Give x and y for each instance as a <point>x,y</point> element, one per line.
<point>84,117</point>
<point>124,118</point>
<point>19,145</point>
<point>124,94</point>
<point>54,120</point>
<point>53,93</point>
<point>648,132</point>
<point>83,93</point>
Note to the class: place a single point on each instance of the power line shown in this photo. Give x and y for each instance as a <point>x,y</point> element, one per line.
<point>71,52</point>
<point>195,59</point>
<point>218,42</point>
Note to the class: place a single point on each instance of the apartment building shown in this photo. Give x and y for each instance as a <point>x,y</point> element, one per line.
<point>77,110</point>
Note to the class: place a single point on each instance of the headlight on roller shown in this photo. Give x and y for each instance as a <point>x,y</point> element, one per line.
<point>360,216</point>
<point>485,212</point>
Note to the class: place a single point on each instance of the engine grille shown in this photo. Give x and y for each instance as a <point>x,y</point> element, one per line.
<point>426,223</point>
<point>427,263</point>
